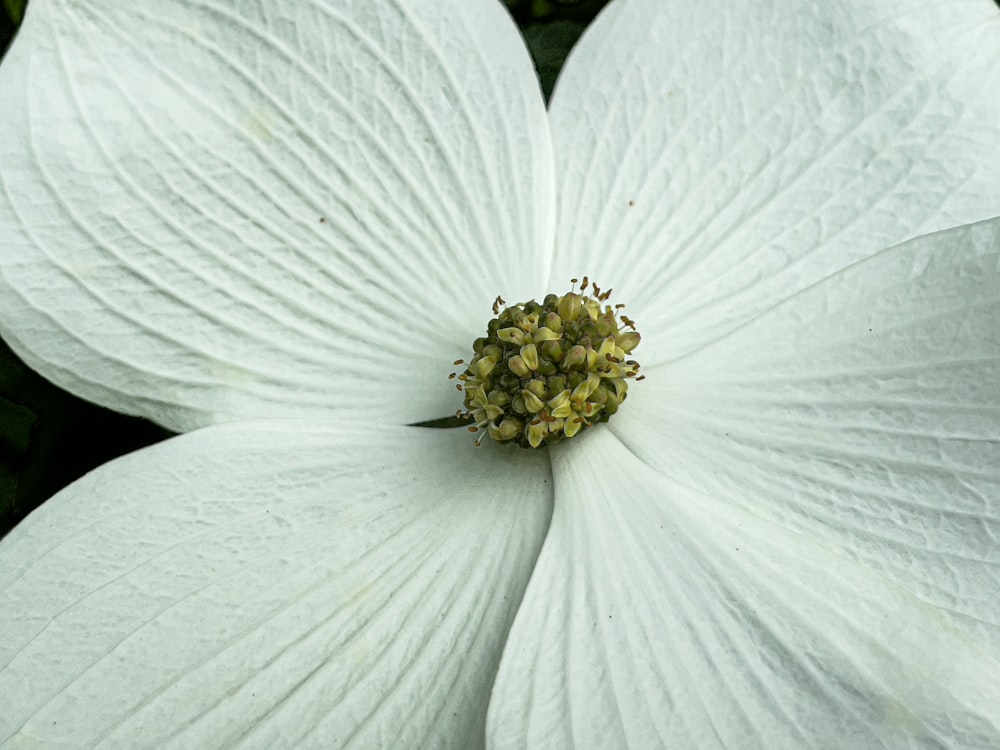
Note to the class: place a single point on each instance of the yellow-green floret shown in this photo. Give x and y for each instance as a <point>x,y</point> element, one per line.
<point>545,371</point>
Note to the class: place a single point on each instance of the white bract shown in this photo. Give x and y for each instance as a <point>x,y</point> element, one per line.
<point>275,225</point>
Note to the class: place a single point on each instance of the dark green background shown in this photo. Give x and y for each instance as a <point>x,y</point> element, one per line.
<point>48,438</point>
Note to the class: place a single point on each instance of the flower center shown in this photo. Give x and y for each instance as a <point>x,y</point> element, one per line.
<point>545,371</point>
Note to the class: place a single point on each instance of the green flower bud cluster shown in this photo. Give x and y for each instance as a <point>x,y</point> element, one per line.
<point>545,371</point>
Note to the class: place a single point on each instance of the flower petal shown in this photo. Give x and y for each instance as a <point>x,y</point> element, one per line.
<point>865,412</point>
<point>215,210</point>
<point>661,617</point>
<point>271,584</point>
<point>722,156</point>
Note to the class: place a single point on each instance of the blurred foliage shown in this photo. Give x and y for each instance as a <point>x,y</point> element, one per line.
<point>550,29</point>
<point>10,18</point>
<point>48,437</point>
<point>14,10</point>
<point>527,12</point>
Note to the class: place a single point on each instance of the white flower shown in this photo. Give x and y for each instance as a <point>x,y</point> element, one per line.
<point>281,222</point>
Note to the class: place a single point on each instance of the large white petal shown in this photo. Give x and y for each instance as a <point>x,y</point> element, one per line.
<point>215,209</point>
<point>270,585</point>
<point>715,157</point>
<point>864,412</point>
<point>658,616</point>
